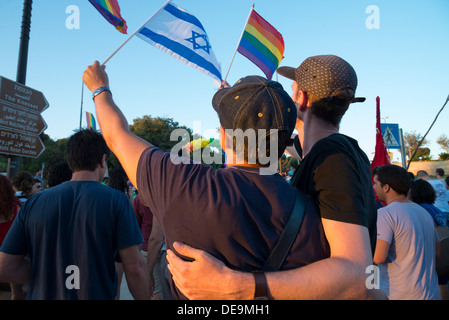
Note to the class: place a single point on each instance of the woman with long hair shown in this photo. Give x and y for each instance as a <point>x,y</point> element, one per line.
<point>9,206</point>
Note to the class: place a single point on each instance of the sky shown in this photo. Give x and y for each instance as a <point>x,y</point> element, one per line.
<point>399,49</point>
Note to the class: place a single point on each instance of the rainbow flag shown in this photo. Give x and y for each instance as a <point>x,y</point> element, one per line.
<point>91,121</point>
<point>111,11</point>
<point>262,44</point>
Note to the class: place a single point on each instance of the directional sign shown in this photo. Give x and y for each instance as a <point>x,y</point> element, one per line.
<point>19,119</point>
<point>18,144</point>
<point>390,132</point>
<point>23,96</point>
<point>21,122</point>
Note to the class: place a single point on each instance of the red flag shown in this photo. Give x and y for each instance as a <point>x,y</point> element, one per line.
<point>381,155</point>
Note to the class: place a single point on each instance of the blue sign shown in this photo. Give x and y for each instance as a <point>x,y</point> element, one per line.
<point>390,132</point>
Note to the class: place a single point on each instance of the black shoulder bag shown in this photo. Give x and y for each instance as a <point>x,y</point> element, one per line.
<point>282,247</point>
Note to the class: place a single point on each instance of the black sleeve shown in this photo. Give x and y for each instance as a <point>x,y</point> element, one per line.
<point>339,191</point>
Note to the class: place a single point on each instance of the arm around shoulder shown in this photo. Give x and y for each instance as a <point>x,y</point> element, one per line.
<point>341,276</point>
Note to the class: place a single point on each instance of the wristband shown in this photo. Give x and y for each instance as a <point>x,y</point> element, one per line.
<point>261,292</point>
<point>100,90</point>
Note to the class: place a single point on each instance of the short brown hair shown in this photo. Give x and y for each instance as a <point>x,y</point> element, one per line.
<point>395,176</point>
<point>331,109</point>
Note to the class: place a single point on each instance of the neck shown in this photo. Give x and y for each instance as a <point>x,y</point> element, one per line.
<point>231,160</point>
<point>87,176</point>
<point>397,198</point>
<point>315,129</point>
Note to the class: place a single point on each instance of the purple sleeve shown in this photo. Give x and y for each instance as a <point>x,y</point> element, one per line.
<point>161,177</point>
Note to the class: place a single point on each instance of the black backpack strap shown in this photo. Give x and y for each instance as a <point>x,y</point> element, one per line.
<point>291,229</point>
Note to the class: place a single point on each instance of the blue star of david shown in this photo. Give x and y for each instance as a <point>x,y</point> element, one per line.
<point>196,46</point>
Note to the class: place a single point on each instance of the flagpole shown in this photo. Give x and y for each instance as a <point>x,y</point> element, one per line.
<point>238,44</point>
<point>132,35</point>
<point>81,108</point>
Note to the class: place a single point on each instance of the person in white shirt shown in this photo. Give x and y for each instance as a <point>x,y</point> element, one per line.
<point>439,174</point>
<point>407,241</point>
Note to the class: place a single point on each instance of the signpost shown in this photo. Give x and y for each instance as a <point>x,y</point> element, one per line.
<point>14,161</point>
<point>390,132</point>
<point>20,144</point>
<point>393,138</point>
<point>21,122</point>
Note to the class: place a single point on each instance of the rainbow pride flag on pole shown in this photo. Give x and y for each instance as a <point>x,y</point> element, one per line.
<point>91,121</point>
<point>111,11</point>
<point>262,44</point>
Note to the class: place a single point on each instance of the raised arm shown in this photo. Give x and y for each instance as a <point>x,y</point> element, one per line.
<point>114,126</point>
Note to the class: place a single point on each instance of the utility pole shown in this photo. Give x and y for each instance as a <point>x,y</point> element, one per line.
<point>14,162</point>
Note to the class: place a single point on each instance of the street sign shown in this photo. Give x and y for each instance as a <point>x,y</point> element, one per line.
<point>19,95</point>
<point>21,122</point>
<point>20,144</point>
<point>20,119</point>
<point>390,132</point>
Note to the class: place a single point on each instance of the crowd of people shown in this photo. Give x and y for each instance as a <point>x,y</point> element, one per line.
<point>242,232</point>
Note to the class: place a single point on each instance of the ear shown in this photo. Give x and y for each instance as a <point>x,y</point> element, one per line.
<point>103,161</point>
<point>386,188</point>
<point>303,100</point>
<point>222,138</point>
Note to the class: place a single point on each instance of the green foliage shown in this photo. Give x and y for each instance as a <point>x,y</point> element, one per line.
<point>443,141</point>
<point>288,162</point>
<point>157,131</point>
<point>443,156</point>
<point>423,154</point>
<point>54,152</point>
<point>3,163</point>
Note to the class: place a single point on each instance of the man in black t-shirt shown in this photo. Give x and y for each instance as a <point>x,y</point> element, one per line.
<point>336,172</point>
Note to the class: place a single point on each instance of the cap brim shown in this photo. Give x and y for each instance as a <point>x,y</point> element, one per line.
<point>288,72</point>
<point>217,98</point>
<point>359,99</point>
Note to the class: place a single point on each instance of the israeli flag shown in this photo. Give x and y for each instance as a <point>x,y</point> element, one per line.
<point>181,35</point>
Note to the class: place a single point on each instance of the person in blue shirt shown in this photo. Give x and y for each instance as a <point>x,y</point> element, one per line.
<point>423,193</point>
<point>64,240</point>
